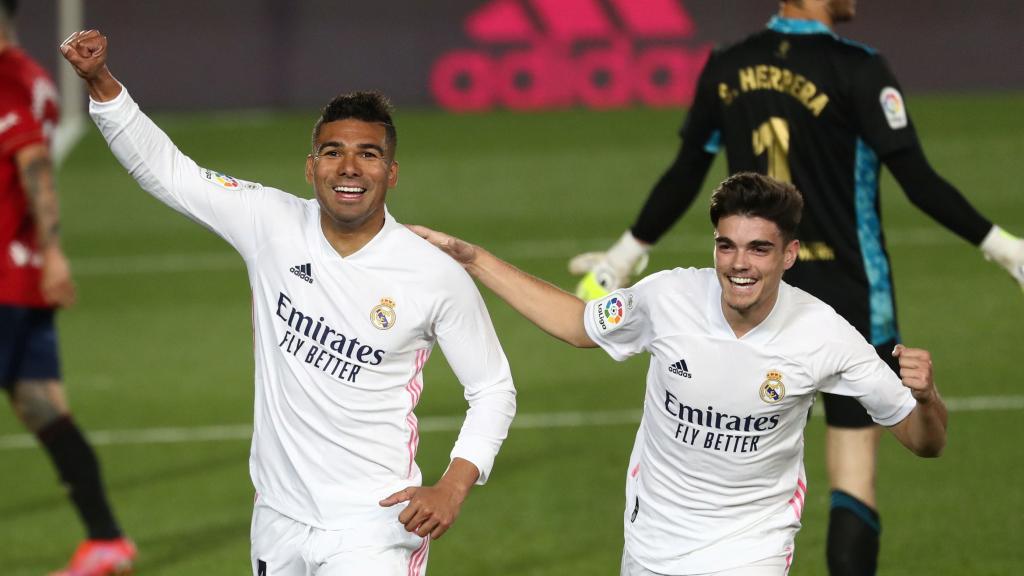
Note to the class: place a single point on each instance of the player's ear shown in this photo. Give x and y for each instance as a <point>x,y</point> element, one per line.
<point>791,251</point>
<point>309,168</point>
<point>393,174</point>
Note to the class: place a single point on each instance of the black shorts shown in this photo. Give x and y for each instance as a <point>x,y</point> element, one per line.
<point>28,345</point>
<point>847,412</point>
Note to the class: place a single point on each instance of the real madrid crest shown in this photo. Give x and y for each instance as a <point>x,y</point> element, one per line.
<point>772,389</point>
<point>383,314</point>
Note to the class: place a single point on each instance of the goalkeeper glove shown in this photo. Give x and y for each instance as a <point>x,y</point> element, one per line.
<point>608,271</point>
<point>1007,250</point>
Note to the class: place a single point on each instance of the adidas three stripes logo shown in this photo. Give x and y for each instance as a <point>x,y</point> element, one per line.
<point>679,368</point>
<point>304,271</point>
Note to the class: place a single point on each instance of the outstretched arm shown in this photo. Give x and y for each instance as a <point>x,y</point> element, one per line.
<point>552,309</point>
<point>923,431</point>
<point>225,205</point>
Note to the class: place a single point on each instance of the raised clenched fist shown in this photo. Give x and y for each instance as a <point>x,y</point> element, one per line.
<point>86,50</point>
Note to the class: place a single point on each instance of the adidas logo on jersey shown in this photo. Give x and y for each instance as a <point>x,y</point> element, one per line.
<point>304,271</point>
<point>680,369</point>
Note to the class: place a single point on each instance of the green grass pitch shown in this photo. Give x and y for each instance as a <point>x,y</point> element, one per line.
<point>161,338</point>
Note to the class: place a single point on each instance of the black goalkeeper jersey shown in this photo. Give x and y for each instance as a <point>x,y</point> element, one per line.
<point>801,104</point>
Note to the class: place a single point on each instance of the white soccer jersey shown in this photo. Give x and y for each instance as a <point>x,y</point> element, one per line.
<point>340,343</point>
<point>716,477</point>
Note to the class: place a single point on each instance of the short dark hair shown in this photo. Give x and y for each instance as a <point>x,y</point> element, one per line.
<point>365,106</point>
<point>757,195</point>
<point>9,7</point>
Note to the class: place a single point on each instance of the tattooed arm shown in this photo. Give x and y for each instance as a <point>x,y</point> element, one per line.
<point>36,172</point>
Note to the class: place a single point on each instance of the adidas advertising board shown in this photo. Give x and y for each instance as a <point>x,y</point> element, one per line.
<point>534,54</point>
<point>658,42</point>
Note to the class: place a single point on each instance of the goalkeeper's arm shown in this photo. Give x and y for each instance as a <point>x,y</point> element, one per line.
<point>944,203</point>
<point>673,194</point>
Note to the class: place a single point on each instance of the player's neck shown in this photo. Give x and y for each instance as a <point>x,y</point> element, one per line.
<point>743,321</point>
<point>347,240</point>
<point>792,11</point>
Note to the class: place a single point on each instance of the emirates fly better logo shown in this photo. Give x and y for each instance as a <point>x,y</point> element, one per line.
<point>533,54</point>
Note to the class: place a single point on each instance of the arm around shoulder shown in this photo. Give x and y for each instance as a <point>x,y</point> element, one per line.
<point>552,309</point>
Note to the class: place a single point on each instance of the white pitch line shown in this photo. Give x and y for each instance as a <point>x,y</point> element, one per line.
<point>539,420</point>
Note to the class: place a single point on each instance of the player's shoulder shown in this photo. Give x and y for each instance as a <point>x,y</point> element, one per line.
<point>855,48</point>
<point>19,73</point>
<point>13,60</point>
<point>809,314</point>
<point>691,282</point>
<point>852,54</point>
<point>728,51</point>
<point>805,304</point>
<point>679,277</point>
<point>427,261</point>
<point>730,46</point>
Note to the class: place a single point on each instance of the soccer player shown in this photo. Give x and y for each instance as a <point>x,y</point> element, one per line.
<point>715,483</point>
<point>801,104</point>
<point>347,306</point>
<point>35,280</point>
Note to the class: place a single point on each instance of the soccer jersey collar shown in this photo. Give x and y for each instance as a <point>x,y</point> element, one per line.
<point>798,26</point>
<point>330,253</point>
<point>761,334</point>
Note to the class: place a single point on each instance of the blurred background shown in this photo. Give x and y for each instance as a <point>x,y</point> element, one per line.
<point>229,54</point>
<point>535,127</point>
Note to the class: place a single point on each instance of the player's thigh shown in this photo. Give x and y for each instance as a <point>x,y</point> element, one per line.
<point>399,553</point>
<point>28,345</point>
<point>10,345</point>
<point>630,567</point>
<point>277,544</point>
<point>774,566</point>
<point>30,366</point>
<point>845,412</point>
<point>852,441</point>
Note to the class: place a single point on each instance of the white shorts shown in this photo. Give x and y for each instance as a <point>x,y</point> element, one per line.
<point>775,566</point>
<point>282,546</point>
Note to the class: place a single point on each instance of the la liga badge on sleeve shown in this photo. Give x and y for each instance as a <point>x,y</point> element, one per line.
<point>222,180</point>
